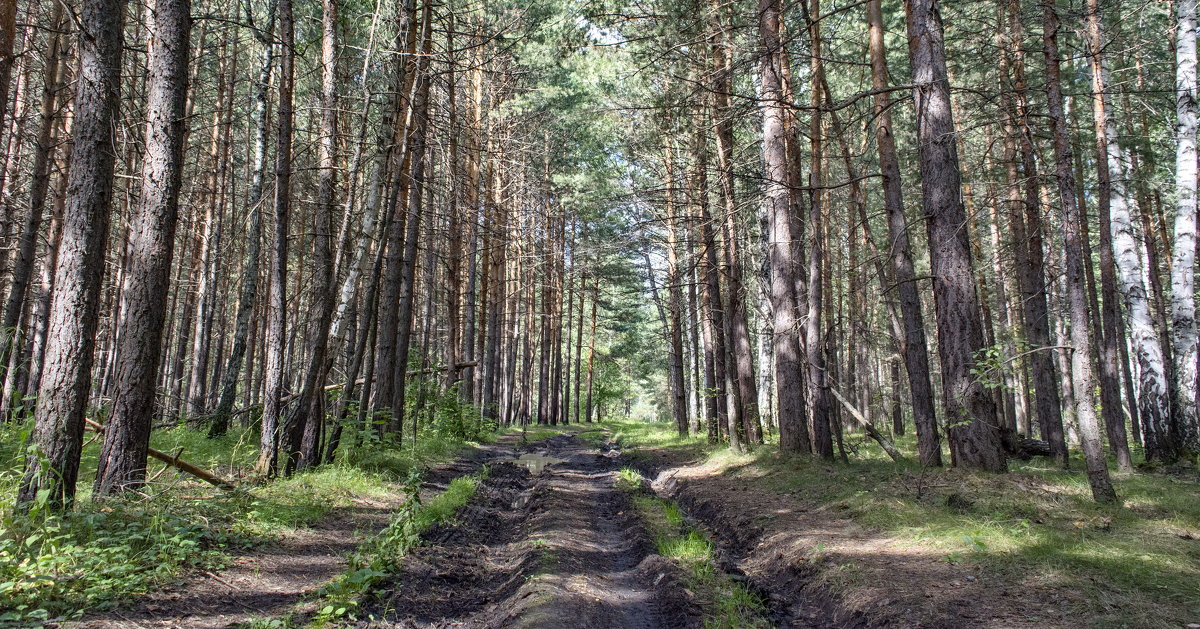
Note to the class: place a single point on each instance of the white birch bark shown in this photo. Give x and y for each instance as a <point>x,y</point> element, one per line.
<point>1183,303</point>
<point>1144,341</point>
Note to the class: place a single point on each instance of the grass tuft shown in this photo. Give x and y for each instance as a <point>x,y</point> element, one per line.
<point>56,567</point>
<point>726,603</point>
<point>379,557</point>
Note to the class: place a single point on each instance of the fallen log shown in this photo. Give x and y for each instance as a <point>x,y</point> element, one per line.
<point>1029,448</point>
<point>176,463</point>
<point>869,428</point>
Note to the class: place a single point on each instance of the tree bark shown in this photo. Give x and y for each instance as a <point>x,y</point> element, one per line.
<point>789,373</point>
<point>8,37</point>
<point>815,336</point>
<point>743,394</point>
<point>1072,219</point>
<point>71,339</point>
<point>1031,262</point>
<point>1183,276</point>
<point>1153,394</point>
<point>122,463</point>
<point>913,346</point>
<point>248,294</point>
<point>308,422</point>
<point>679,406</point>
<point>276,333</point>
<point>39,186</point>
<point>969,408</point>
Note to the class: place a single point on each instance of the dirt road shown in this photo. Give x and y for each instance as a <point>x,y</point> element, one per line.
<point>547,542</point>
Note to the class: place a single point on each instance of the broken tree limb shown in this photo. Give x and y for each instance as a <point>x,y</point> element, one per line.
<point>869,428</point>
<point>176,463</point>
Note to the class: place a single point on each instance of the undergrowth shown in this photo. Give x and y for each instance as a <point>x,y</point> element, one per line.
<point>58,566</point>
<point>1137,565</point>
<point>726,603</point>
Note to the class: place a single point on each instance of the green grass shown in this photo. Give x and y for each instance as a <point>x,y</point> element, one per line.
<point>379,557</point>
<point>59,566</point>
<point>648,435</point>
<point>1137,565</point>
<point>539,432</point>
<point>726,603</point>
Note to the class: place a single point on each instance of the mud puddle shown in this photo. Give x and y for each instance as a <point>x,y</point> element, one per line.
<point>535,462</point>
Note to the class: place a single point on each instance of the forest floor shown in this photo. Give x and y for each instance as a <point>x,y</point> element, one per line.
<point>550,534</point>
<point>878,544</point>
<point>549,539</point>
<point>624,525</point>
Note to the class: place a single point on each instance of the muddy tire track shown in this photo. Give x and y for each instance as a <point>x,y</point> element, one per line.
<point>560,548</point>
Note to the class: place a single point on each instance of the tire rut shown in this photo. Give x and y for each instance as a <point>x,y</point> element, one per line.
<point>562,546</point>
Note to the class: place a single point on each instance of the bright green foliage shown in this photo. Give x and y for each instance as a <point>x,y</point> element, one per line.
<point>51,566</point>
<point>58,566</point>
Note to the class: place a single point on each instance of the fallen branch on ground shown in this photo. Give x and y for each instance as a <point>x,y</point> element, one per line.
<point>174,462</point>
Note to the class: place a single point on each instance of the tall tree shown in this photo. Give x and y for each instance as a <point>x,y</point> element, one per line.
<point>307,423</point>
<point>276,335</point>
<point>151,247</point>
<point>1183,276</point>
<point>743,393</point>
<point>970,410</point>
<point>1027,227</point>
<point>913,347</point>
<point>1074,261</point>
<point>71,337</point>
<point>8,37</point>
<point>248,293</point>
<point>789,374</point>
<point>1153,397</point>
<point>23,266</point>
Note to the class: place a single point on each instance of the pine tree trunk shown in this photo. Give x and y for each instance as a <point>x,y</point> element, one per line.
<point>679,401</point>
<point>308,421</point>
<point>739,369</point>
<point>579,342</point>
<point>789,374</point>
<point>591,368</point>
<point>39,186</point>
<point>386,353</point>
<point>1153,402</point>
<point>815,337</point>
<point>276,332</point>
<point>8,37</point>
<point>913,346</point>
<point>708,274</point>
<point>1031,262</point>
<point>71,338</point>
<point>248,293</point>
<point>1072,219</point>
<point>970,410</point>
<point>122,462</point>
<point>415,207</point>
